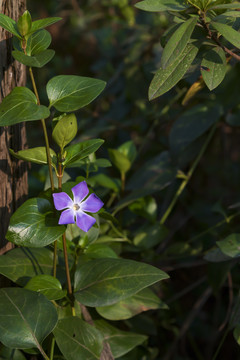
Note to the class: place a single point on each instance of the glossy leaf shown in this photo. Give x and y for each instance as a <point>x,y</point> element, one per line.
<point>228,32</point>
<point>234,5</point>
<point>38,42</point>
<point>191,125</point>
<point>42,23</point>
<point>81,150</point>
<point>178,42</point>
<point>36,155</point>
<point>161,5</point>
<point>8,353</point>
<point>21,264</point>
<point>104,282</point>
<point>78,340</point>
<point>150,236</point>
<point>47,285</point>
<point>129,150</point>
<point>96,251</point>
<point>37,60</point>
<point>70,92</point>
<point>32,316</point>
<point>165,79</point>
<point>65,130</point>
<point>34,224</point>
<point>9,24</point>
<point>121,342</point>
<point>127,308</point>
<point>21,105</point>
<point>213,67</point>
<point>230,246</point>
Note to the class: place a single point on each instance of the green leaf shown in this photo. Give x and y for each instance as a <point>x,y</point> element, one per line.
<point>70,92</point>
<point>21,264</point>
<point>224,6</point>
<point>142,301</point>
<point>21,105</point>
<point>150,236</point>
<point>9,24</point>
<point>165,79</point>
<point>230,246</point>
<point>129,150</point>
<point>96,251</point>
<point>65,130</point>
<point>32,316</point>
<point>78,340</point>
<point>178,42</point>
<point>24,23</point>
<point>38,42</point>
<point>81,150</point>
<point>213,67</point>
<point>120,160</point>
<point>161,5</point>
<point>47,285</point>
<point>36,155</point>
<point>228,32</point>
<point>37,60</point>
<point>34,224</point>
<point>42,23</point>
<point>191,125</point>
<point>216,255</point>
<point>104,282</point>
<point>121,342</point>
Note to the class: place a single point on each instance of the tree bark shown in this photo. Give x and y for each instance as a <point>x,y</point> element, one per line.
<point>13,173</point>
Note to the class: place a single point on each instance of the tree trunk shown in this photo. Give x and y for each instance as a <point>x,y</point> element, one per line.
<point>13,173</point>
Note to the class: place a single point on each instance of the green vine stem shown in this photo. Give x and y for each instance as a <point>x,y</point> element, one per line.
<point>48,161</point>
<point>69,285</point>
<point>187,177</point>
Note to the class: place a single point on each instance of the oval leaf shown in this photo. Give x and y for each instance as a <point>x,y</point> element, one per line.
<point>47,285</point>
<point>104,282</point>
<point>21,264</point>
<point>42,23</point>
<point>121,342</point>
<point>34,224</point>
<point>37,60</point>
<point>9,24</point>
<point>119,160</point>
<point>127,308</point>
<point>70,92</point>
<point>21,105</point>
<point>36,155</point>
<point>81,150</point>
<point>161,5</point>
<point>32,316</point>
<point>228,32</point>
<point>213,67</point>
<point>65,130</point>
<point>165,79</point>
<point>230,246</point>
<point>178,42</point>
<point>38,42</point>
<point>78,340</point>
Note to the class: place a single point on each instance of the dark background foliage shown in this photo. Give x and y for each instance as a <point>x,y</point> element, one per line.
<point>113,41</point>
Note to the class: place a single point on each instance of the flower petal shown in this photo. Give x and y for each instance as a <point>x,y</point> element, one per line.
<point>84,221</point>
<point>80,191</point>
<point>92,204</point>
<point>62,201</point>
<point>67,217</point>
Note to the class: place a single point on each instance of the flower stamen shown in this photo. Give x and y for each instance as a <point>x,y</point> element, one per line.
<point>76,207</point>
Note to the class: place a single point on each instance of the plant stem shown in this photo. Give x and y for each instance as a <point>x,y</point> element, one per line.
<point>220,344</point>
<point>65,244</point>
<point>52,348</point>
<point>48,161</point>
<point>44,131</point>
<point>188,177</point>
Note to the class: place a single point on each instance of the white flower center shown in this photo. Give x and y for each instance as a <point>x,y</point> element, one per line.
<point>76,207</point>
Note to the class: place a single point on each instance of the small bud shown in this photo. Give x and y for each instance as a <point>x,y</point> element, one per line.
<point>65,130</point>
<point>24,23</point>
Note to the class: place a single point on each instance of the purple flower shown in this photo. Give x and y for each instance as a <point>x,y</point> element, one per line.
<point>75,209</point>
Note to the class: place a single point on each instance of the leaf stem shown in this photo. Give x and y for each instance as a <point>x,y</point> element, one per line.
<point>220,344</point>
<point>187,178</point>
<point>52,348</point>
